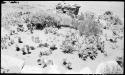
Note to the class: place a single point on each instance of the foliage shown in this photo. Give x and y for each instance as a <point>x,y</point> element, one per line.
<point>89,27</point>
<point>40,21</point>
<point>67,64</point>
<point>6,41</point>
<point>111,18</point>
<point>67,47</point>
<point>44,63</point>
<point>90,52</point>
<point>28,20</point>
<point>86,24</point>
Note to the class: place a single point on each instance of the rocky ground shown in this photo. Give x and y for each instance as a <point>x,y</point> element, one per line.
<point>36,38</point>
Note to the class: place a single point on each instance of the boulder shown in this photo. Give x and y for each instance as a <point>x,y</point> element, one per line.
<point>110,67</point>
<point>67,8</point>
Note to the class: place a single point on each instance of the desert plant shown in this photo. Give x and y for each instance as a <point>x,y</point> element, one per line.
<point>42,21</point>
<point>67,47</point>
<point>13,20</point>
<point>82,56</point>
<point>45,52</point>
<point>111,18</point>
<point>6,41</point>
<point>108,13</point>
<point>89,51</point>
<point>68,50</point>
<point>9,20</point>
<point>86,24</point>
<point>89,27</point>
<point>37,20</point>
<point>116,20</point>
<point>67,64</point>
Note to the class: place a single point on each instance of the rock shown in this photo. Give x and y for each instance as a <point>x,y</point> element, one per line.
<point>120,61</point>
<point>110,67</point>
<point>67,8</point>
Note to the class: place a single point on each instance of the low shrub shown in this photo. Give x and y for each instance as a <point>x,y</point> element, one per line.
<point>86,24</point>
<point>67,64</point>
<point>39,22</point>
<point>90,52</point>
<point>68,50</point>
<point>67,47</point>
<point>89,27</point>
<point>32,20</point>
<point>111,18</point>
